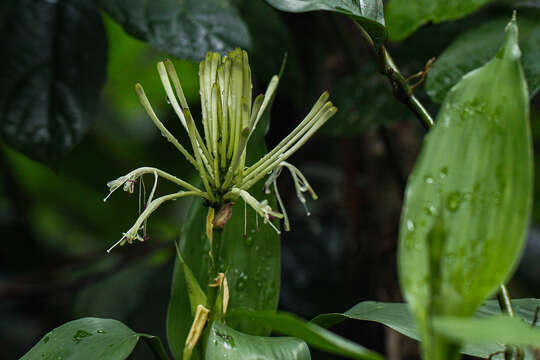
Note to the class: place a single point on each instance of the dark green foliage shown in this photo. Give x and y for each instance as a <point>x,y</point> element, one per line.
<point>477,46</point>
<point>50,80</point>
<point>365,102</point>
<point>186,29</point>
<point>313,334</point>
<point>398,317</point>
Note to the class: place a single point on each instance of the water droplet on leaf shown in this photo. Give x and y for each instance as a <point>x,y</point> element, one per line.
<point>453,201</point>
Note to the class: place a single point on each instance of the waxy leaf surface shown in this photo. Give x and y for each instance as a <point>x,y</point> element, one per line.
<point>398,317</point>
<point>86,339</point>
<point>468,200</point>
<point>403,17</point>
<point>226,343</point>
<point>50,81</point>
<point>313,334</point>
<point>475,47</point>
<point>498,329</point>
<point>186,29</point>
<point>368,13</point>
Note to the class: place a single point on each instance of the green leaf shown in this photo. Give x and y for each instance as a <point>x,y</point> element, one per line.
<point>469,196</point>
<point>369,14</point>
<point>398,317</point>
<point>196,295</point>
<point>394,315</point>
<point>313,334</point>
<point>476,47</point>
<point>50,79</point>
<point>499,329</point>
<point>226,343</point>
<point>186,29</point>
<point>86,338</point>
<point>251,260</point>
<point>403,17</point>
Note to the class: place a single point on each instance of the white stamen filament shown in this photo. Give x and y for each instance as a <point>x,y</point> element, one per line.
<point>262,208</point>
<point>135,174</point>
<point>132,233</point>
<point>289,149</point>
<point>300,129</point>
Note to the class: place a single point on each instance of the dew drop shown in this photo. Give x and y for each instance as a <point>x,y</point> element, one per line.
<point>430,210</point>
<point>249,241</point>
<point>101,331</point>
<point>79,335</point>
<point>453,201</point>
<point>428,179</point>
<point>410,225</point>
<point>443,172</point>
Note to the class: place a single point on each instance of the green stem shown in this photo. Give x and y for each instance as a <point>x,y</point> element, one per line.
<point>156,346</point>
<point>400,87</point>
<point>505,303</point>
<point>212,292</point>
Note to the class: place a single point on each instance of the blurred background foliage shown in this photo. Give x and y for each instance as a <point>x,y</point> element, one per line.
<point>56,228</point>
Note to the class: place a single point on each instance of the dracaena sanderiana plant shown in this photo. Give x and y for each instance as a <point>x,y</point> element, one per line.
<point>229,118</point>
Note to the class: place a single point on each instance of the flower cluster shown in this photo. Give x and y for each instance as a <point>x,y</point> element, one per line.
<point>229,118</point>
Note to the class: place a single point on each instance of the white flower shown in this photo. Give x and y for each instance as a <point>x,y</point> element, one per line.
<point>229,118</point>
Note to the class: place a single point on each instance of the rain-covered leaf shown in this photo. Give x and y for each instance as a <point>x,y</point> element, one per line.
<point>468,200</point>
<point>50,81</point>
<point>403,17</point>
<point>185,29</point>
<point>499,329</point>
<point>251,260</point>
<point>226,343</point>
<point>368,13</point>
<point>86,339</point>
<point>313,334</point>
<point>398,317</point>
<point>476,47</point>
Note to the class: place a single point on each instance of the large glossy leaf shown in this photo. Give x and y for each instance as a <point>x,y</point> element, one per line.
<point>368,13</point>
<point>468,200</point>
<point>50,79</point>
<point>476,47</point>
<point>186,29</point>
<point>398,317</point>
<point>314,335</point>
<point>226,343</point>
<point>403,17</point>
<point>86,338</point>
<point>251,260</point>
